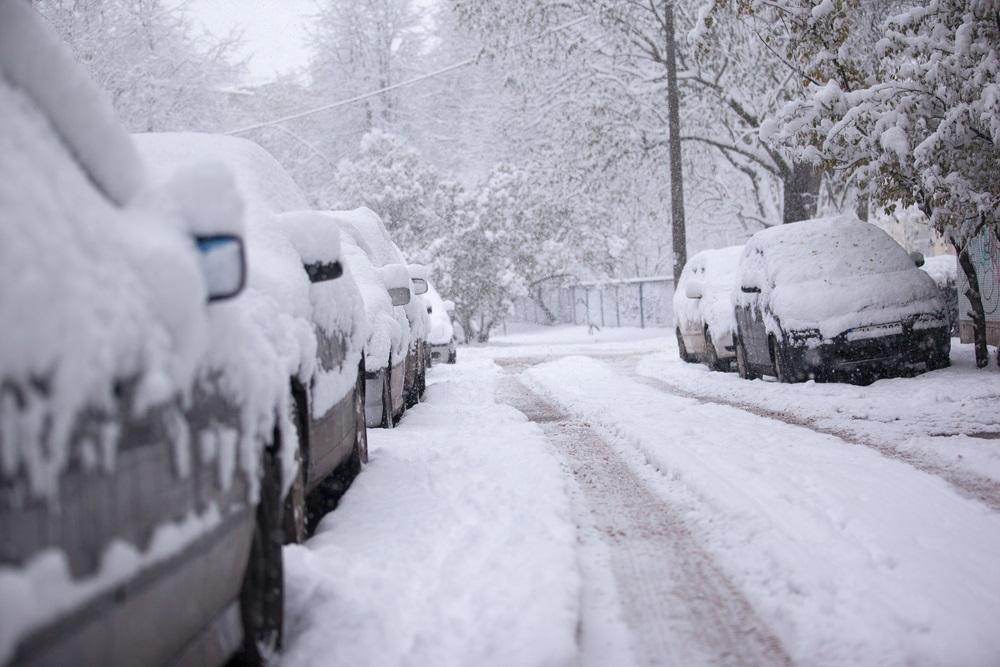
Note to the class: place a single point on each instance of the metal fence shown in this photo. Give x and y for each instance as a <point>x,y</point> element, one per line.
<point>634,302</point>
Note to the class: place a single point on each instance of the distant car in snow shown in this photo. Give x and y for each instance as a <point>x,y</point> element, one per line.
<point>385,291</point>
<point>313,318</point>
<point>139,479</point>
<point>834,297</point>
<point>703,308</point>
<point>369,232</point>
<point>441,337</point>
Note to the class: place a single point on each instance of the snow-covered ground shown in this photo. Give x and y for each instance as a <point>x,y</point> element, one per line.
<point>638,510</point>
<point>455,546</point>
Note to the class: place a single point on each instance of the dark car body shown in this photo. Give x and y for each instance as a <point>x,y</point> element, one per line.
<point>835,299</point>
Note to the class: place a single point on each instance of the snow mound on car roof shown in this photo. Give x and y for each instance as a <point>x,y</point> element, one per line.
<point>833,274</point>
<point>38,63</point>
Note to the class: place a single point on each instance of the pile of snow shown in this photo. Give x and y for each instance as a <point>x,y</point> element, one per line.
<point>441,330</point>
<point>455,547</point>
<point>831,275</point>
<point>715,270</point>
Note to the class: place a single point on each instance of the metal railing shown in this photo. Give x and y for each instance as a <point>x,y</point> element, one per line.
<point>637,302</point>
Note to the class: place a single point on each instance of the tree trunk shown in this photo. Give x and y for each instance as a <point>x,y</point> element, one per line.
<point>537,298</point>
<point>676,171</point>
<point>861,206</point>
<point>978,314</point>
<point>801,192</point>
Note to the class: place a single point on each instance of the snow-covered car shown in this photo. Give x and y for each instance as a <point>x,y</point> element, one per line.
<point>703,308</point>
<point>441,337</point>
<point>944,270</point>
<point>139,477</point>
<point>315,321</point>
<point>834,297</point>
<point>382,292</point>
<point>370,233</point>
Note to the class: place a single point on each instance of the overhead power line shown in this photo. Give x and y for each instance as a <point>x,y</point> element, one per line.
<point>409,82</point>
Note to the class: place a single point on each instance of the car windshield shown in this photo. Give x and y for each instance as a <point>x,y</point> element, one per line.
<point>831,250</point>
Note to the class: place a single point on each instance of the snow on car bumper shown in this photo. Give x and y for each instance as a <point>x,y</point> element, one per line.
<point>887,345</point>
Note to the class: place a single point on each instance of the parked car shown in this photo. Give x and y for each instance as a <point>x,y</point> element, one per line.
<point>140,474</point>
<point>315,320</point>
<point>834,297</point>
<point>703,308</point>
<point>441,336</point>
<point>369,231</point>
<point>383,293</point>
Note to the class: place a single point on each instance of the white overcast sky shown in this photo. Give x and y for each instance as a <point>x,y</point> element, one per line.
<point>274,31</point>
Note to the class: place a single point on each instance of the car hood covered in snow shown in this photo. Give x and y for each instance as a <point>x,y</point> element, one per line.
<point>834,305</point>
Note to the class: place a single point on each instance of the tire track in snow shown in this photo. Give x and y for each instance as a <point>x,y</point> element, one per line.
<point>982,489</point>
<point>679,606</point>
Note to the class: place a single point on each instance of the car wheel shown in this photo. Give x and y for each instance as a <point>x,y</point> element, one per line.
<point>388,420</point>
<point>681,350</point>
<point>781,368</point>
<point>294,513</point>
<point>262,596</point>
<point>452,357</point>
<point>360,429</point>
<point>742,365</point>
<point>711,355</point>
<point>939,358</point>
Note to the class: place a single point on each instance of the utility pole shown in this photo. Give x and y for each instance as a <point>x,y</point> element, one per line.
<point>676,173</point>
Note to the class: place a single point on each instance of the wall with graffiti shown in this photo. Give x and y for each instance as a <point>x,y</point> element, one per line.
<point>985,253</point>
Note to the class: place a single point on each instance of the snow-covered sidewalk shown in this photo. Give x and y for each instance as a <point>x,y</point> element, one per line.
<point>455,546</point>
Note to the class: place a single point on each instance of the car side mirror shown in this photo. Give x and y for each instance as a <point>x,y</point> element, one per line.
<point>693,290</point>
<point>918,258</point>
<point>749,289</point>
<point>320,272</point>
<point>400,295</point>
<point>430,309</point>
<point>419,286</point>
<point>222,259</point>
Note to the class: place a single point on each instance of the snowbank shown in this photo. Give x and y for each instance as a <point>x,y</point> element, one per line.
<point>455,547</point>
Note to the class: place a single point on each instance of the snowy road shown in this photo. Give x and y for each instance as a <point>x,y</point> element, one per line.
<point>562,499</point>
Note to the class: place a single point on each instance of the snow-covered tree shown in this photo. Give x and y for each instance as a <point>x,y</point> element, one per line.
<point>925,132</point>
<point>159,74</point>
<point>390,177</point>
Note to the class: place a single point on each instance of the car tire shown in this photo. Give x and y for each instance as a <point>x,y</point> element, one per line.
<point>388,419</point>
<point>743,368</point>
<point>681,349</point>
<point>361,429</point>
<point>262,598</point>
<point>452,357</point>
<point>782,369</point>
<point>939,358</point>
<point>711,355</point>
<point>294,514</point>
